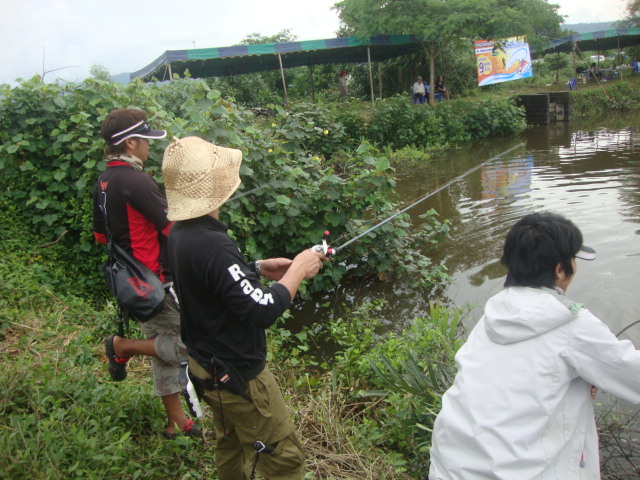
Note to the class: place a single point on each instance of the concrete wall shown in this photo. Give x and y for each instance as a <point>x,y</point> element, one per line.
<point>542,108</point>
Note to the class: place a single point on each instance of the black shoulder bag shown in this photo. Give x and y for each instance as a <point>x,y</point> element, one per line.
<point>136,288</point>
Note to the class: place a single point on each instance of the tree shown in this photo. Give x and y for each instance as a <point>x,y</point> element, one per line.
<point>557,62</point>
<point>97,71</point>
<point>437,23</point>
<point>633,14</point>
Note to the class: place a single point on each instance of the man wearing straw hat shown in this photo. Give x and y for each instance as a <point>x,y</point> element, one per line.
<point>225,310</point>
<point>137,219</point>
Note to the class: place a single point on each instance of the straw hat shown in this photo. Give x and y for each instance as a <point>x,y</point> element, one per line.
<point>199,176</point>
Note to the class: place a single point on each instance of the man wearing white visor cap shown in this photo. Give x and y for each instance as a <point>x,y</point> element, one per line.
<point>136,218</point>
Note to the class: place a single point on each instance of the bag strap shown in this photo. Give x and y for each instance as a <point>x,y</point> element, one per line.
<point>107,230</point>
<point>123,314</point>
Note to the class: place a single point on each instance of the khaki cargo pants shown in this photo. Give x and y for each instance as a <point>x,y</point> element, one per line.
<point>265,419</point>
<point>165,329</point>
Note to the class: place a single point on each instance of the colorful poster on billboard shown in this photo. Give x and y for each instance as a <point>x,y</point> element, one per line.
<point>502,60</point>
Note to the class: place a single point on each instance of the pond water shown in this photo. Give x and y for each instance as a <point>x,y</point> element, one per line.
<point>588,171</point>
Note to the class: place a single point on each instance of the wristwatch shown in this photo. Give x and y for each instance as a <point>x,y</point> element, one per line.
<point>256,268</point>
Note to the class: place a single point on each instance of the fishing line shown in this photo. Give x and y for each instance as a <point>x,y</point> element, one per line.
<point>430,194</point>
<point>249,192</point>
<point>627,328</point>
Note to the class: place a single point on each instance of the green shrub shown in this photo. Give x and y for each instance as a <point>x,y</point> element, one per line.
<point>621,96</point>
<point>51,155</point>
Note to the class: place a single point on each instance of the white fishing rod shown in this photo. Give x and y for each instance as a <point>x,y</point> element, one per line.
<point>327,250</point>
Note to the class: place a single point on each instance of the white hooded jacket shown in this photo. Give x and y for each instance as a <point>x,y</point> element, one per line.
<point>520,406</point>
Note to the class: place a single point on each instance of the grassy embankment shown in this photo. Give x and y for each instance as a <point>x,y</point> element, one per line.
<point>61,417</point>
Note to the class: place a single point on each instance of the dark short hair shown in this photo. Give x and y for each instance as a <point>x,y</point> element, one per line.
<point>117,121</point>
<point>535,245</point>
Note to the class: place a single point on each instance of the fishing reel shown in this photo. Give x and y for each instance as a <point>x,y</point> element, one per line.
<point>324,246</point>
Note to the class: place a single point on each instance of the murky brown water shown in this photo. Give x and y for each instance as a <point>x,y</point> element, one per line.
<point>588,171</point>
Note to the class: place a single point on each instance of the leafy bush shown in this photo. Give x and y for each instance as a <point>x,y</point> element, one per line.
<point>621,96</point>
<point>60,418</point>
<point>50,157</point>
<point>395,123</point>
<point>493,118</point>
<point>396,381</point>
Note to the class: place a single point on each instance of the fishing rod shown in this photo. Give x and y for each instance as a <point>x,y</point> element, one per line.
<point>333,250</point>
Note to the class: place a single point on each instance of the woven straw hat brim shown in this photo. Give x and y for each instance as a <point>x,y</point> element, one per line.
<point>199,177</point>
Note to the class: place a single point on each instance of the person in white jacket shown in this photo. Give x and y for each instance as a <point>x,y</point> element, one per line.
<point>521,406</point>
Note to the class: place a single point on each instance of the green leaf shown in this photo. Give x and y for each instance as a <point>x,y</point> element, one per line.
<point>363,148</point>
<point>81,183</point>
<point>197,117</point>
<point>219,110</point>
<point>204,104</point>
<point>382,164</point>
<point>50,219</point>
<point>276,220</point>
<point>282,200</point>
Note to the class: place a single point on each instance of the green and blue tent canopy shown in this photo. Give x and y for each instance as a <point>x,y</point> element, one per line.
<point>239,59</point>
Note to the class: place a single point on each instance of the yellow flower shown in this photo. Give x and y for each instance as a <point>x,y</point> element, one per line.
<point>326,132</point>
<point>273,124</point>
<point>270,150</point>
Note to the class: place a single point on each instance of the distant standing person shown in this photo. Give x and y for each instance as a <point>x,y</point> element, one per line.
<point>342,82</point>
<point>441,89</point>
<point>137,219</point>
<point>419,92</point>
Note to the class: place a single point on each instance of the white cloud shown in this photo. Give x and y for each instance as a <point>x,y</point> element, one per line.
<point>127,35</point>
<point>588,11</point>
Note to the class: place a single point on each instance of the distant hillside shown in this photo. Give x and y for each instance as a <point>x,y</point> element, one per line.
<point>588,27</point>
<point>123,78</point>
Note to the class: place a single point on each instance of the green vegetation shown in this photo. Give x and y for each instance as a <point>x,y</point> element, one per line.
<point>445,25</point>
<point>618,96</point>
<point>63,418</point>
<point>366,411</point>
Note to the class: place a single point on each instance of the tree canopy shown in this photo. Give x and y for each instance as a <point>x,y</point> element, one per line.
<point>633,14</point>
<point>437,23</point>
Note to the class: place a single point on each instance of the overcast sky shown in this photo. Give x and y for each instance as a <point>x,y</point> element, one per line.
<point>68,36</point>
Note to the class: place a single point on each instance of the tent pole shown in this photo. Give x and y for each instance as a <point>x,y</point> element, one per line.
<point>619,58</point>
<point>170,74</point>
<point>573,62</point>
<point>380,78</point>
<point>313,88</point>
<point>284,83</point>
<point>370,73</point>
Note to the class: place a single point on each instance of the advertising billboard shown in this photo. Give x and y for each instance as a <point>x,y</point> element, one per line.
<point>502,60</point>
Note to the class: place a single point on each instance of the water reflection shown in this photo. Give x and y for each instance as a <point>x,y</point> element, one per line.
<point>590,174</point>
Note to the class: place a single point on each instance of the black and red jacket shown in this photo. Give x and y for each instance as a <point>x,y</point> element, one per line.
<point>137,215</point>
